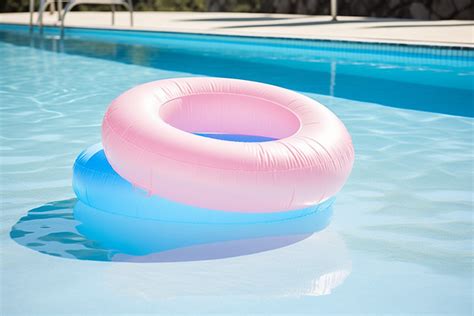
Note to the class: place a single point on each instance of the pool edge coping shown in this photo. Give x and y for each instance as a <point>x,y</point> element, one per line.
<point>395,42</point>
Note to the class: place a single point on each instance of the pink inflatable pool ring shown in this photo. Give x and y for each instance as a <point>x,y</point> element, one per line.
<point>148,134</point>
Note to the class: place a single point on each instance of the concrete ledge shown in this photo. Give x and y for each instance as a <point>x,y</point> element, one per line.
<point>362,29</point>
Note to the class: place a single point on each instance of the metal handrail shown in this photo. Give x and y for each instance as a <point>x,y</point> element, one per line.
<point>126,3</point>
<point>43,5</point>
<point>71,4</point>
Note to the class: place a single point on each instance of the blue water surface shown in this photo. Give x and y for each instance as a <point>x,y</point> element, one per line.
<point>400,237</point>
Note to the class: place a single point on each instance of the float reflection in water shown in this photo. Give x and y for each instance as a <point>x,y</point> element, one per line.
<point>52,229</point>
<point>292,271</point>
<point>69,229</point>
<point>137,236</point>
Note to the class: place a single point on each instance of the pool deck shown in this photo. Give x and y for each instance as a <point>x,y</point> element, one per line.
<point>439,33</point>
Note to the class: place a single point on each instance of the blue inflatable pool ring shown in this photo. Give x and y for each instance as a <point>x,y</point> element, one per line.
<point>126,218</point>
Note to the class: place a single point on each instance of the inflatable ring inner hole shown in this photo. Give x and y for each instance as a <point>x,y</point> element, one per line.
<point>230,114</point>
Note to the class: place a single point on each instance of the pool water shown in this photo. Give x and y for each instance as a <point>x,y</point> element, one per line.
<point>400,237</point>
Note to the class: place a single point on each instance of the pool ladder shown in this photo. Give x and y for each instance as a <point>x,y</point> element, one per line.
<point>71,4</point>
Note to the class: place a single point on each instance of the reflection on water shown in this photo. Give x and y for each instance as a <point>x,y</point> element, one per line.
<point>71,229</point>
<point>312,267</point>
<point>313,264</point>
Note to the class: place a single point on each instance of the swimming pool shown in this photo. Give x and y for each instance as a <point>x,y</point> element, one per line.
<point>400,237</point>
